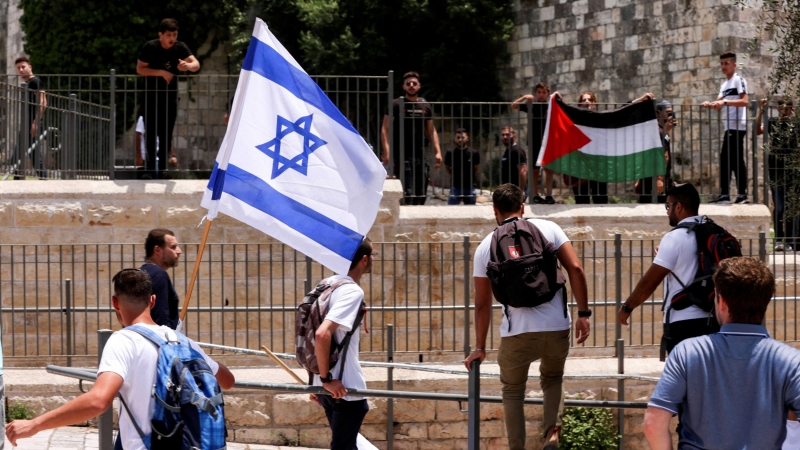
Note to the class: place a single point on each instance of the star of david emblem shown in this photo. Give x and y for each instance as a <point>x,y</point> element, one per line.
<point>299,163</point>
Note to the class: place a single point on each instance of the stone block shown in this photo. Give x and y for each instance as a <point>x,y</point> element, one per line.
<point>406,431</point>
<point>55,213</point>
<point>580,7</point>
<point>631,43</point>
<point>268,436</point>
<point>297,410</point>
<point>120,213</point>
<point>547,13</point>
<point>244,412</point>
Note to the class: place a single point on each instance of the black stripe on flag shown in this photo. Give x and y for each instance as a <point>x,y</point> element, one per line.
<point>623,117</point>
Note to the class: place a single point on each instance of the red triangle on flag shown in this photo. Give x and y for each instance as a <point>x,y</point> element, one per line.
<point>563,135</point>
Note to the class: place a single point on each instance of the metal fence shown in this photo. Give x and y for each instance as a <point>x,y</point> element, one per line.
<point>246,295</point>
<point>49,136</point>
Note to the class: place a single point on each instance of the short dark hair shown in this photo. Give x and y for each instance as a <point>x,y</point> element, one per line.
<point>461,130</point>
<point>510,129</point>
<point>727,55</point>
<point>133,286</point>
<point>508,198</point>
<point>662,105</point>
<point>364,249</point>
<point>686,195</point>
<point>747,286</point>
<point>22,59</point>
<point>411,74</point>
<point>542,85</point>
<point>168,25</point>
<point>156,238</point>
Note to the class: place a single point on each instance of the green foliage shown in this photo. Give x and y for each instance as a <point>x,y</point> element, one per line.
<point>18,411</point>
<point>286,441</point>
<point>93,37</point>
<point>588,429</point>
<point>457,46</point>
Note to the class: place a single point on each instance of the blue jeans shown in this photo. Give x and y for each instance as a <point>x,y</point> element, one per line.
<point>470,196</point>
<point>345,420</point>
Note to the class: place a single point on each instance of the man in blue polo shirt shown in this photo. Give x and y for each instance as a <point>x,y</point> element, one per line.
<point>737,386</point>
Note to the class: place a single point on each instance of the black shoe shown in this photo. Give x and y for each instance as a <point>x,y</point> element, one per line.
<point>549,200</point>
<point>722,199</point>
<point>742,199</point>
<point>537,199</point>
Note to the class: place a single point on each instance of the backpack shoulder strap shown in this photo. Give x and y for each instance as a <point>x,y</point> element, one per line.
<point>150,335</point>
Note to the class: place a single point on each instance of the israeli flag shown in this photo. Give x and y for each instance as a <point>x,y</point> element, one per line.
<point>291,165</point>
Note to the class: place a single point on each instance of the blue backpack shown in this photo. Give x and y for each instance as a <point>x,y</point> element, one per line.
<point>189,411</point>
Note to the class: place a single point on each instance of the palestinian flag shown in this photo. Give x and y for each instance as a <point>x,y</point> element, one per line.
<point>609,146</point>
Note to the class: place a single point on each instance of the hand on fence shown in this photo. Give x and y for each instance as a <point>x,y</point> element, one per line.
<point>478,354</point>
<point>582,327</point>
<point>167,76</point>
<point>336,388</point>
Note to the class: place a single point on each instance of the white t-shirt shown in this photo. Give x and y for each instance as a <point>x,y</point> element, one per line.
<point>677,252</point>
<point>142,143</point>
<point>345,304</point>
<point>134,358</point>
<point>734,117</point>
<point>546,317</point>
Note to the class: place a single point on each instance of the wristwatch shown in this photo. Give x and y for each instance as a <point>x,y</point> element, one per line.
<point>587,313</point>
<point>326,379</point>
<point>626,308</point>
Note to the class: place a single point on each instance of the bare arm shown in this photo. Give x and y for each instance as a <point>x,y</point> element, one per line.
<point>385,140</point>
<point>143,69</point>
<point>81,409</point>
<point>643,290</point>
<point>523,99</point>
<point>483,318</point>
<point>647,96</point>
<point>656,428</point>
<point>190,63</point>
<point>577,281</point>
<point>523,176</point>
<point>434,138</point>
<point>224,377</point>
<point>322,349</point>
<point>759,117</point>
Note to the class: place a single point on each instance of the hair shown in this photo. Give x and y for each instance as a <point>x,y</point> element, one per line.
<point>508,198</point>
<point>461,130</point>
<point>364,249</point>
<point>747,286</point>
<point>22,59</point>
<point>509,128</point>
<point>786,101</point>
<point>592,97</point>
<point>686,195</point>
<point>168,25</point>
<point>542,85</point>
<point>156,238</point>
<point>133,287</point>
<point>411,74</point>
<point>662,105</point>
<point>727,55</point>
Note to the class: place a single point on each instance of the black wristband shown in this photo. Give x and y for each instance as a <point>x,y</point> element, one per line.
<point>326,379</point>
<point>626,308</point>
<point>587,313</point>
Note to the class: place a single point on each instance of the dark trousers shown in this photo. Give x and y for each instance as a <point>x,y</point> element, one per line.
<point>415,181</point>
<point>647,192</point>
<point>685,329</point>
<point>160,113</point>
<point>779,178</point>
<point>598,190</point>
<point>731,160</point>
<point>345,420</point>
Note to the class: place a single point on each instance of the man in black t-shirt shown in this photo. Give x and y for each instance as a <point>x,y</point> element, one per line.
<point>417,132</point>
<point>463,166</point>
<point>514,164</point>
<point>162,252</point>
<point>538,122</point>
<point>160,60</point>
<point>31,119</point>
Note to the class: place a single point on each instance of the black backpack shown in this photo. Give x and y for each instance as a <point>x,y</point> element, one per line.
<point>713,245</point>
<point>523,266</point>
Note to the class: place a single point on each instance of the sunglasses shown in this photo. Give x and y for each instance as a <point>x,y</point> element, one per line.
<point>411,83</point>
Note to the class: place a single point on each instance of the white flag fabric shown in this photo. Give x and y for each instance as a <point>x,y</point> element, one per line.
<point>291,164</point>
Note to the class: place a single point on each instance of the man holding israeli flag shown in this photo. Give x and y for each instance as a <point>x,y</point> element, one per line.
<point>291,165</point>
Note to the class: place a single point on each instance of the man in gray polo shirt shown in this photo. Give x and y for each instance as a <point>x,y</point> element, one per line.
<point>735,387</point>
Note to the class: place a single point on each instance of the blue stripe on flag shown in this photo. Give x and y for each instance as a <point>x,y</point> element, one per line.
<point>265,61</point>
<point>216,182</point>
<point>260,195</point>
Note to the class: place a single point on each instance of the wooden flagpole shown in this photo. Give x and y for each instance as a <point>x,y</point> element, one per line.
<point>195,270</point>
<point>282,364</point>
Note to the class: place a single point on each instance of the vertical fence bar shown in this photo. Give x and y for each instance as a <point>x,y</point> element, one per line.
<point>621,392</point>
<point>762,246</point>
<point>474,405</point>
<point>390,111</point>
<point>112,123</point>
<point>531,162</point>
<point>72,133</point>
<point>390,386</point>
<point>68,314</point>
<point>105,423</point>
<point>308,273</point>
<point>765,168</point>
<point>618,282</point>
<point>466,298</point>
<point>24,144</point>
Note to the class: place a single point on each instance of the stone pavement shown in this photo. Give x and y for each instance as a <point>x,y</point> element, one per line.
<point>85,438</point>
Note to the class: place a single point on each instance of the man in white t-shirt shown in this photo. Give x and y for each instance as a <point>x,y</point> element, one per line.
<point>538,333</point>
<point>732,100</point>
<point>345,413</point>
<point>127,368</point>
<point>676,260</point>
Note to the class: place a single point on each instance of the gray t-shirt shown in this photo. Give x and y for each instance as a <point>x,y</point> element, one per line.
<point>736,388</point>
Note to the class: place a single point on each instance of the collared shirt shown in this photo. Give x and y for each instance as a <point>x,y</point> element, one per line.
<point>736,388</point>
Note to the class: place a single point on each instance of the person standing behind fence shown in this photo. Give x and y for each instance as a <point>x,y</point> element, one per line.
<point>345,413</point>
<point>677,261</point>
<point>733,100</point>
<point>160,61</point>
<point>127,369</point>
<point>463,166</point>
<point>539,117</point>
<point>162,252</point>
<point>514,163</point>
<point>783,147</point>
<point>665,115</point>
<point>735,387</point>
<point>31,118</point>
<point>529,334</point>
<point>418,132</point>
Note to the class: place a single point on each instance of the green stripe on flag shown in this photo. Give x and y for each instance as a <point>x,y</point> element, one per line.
<point>611,169</point>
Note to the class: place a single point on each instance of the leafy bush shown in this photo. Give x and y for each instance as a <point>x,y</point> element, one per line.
<point>588,429</point>
<point>18,411</point>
